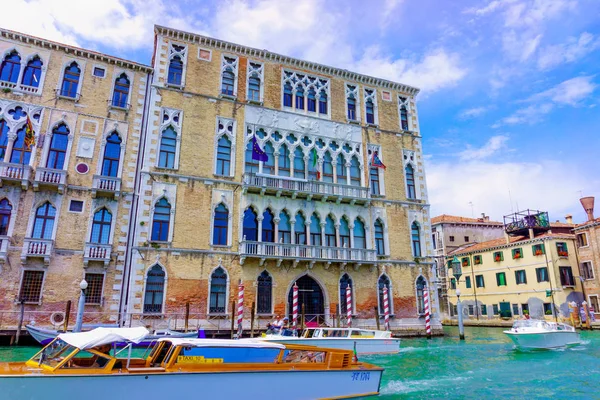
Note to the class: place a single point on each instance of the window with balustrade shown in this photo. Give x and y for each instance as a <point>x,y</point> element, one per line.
<point>112,155</point>
<point>284,166</point>
<point>220,225</point>
<point>251,165</point>
<point>10,68</point>
<point>3,138</point>
<point>32,73</point>
<point>299,164</point>
<point>360,240</point>
<point>327,167</point>
<point>43,224</point>
<point>21,154</point>
<point>101,224</point>
<point>268,227</point>
<point>344,233</point>
<point>264,293</point>
<point>330,239</point>
<point>341,170</point>
<point>218,291</point>
<point>354,171</point>
<point>155,290</point>
<point>269,165</point>
<point>284,228</point>
<point>250,225</point>
<point>300,229</point>
<point>315,231</point>
<point>58,147</point>
<point>161,221</point>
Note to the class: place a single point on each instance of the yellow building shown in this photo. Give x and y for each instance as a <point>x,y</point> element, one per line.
<point>526,272</point>
<point>65,200</point>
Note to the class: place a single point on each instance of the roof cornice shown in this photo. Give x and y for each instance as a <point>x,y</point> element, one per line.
<point>76,51</point>
<point>511,244</point>
<point>295,62</point>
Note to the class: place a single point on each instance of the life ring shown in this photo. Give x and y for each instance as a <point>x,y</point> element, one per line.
<point>57,317</point>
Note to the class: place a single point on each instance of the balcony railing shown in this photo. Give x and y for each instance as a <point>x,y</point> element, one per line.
<point>109,186</point>
<point>15,173</point>
<point>302,188</point>
<point>49,177</point>
<point>4,243</point>
<point>97,252</point>
<point>300,252</point>
<point>37,248</point>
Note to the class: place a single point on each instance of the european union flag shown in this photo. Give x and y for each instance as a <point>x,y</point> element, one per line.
<point>258,153</point>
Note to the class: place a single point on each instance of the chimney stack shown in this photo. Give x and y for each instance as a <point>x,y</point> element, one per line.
<point>588,206</point>
<point>484,217</point>
<point>569,218</point>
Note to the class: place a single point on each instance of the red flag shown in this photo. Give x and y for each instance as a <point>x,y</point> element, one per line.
<point>29,134</point>
<point>376,162</point>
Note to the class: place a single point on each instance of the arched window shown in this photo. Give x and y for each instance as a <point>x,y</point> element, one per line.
<point>287,95</point>
<point>300,229</point>
<point>101,227</point>
<point>374,177</point>
<point>379,243</point>
<point>284,161</point>
<point>323,103</point>
<point>43,224</point>
<point>112,155</point>
<point>360,240</point>
<point>58,147</point>
<point>228,82</point>
<point>218,291</point>
<point>250,225</point>
<point>300,97</point>
<point>421,285</point>
<point>370,111</point>
<point>327,168</point>
<point>351,104</point>
<point>3,138</point>
<point>404,118</point>
<point>340,170</point>
<point>121,91</point>
<point>345,281</point>
<point>416,239</point>
<point>354,172</point>
<point>32,73</point>
<point>344,233</point>
<point>384,282</point>
<point>5,211</point>
<point>168,148</point>
<point>161,220</point>
<point>224,156</point>
<point>221,223</point>
<point>175,71</point>
<point>312,100</point>
<point>330,232</point>
<point>313,164</point>
<point>284,228</point>
<point>410,182</point>
<point>268,227</point>
<point>299,163</point>
<point>254,88</point>
<point>10,68</point>
<point>70,81</point>
<point>264,293</point>
<point>20,153</point>
<point>269,165</point>
<point>315,231</point>
<point>155,290</point>
<point>250,165</point>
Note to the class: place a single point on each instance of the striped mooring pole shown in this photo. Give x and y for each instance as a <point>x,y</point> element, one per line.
<point>427,313</point>
<point>386,309</point>
<point>295,307</point>
<point>349,306</point>
<point>240,317</point>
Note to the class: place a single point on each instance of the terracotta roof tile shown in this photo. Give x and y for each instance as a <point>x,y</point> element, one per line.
<point>476,247</point>
<point>456,219</point>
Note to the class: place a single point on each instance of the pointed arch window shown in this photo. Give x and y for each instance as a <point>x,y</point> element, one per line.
<point>58,147</point>
<point>410,182</point>
<point>112,155</point>
<point>299,166</point>
<point>327,168</point>
<point>228,82</point>
<point>370,111</point>
<point>218,291</point>
<point>284,228</point>
<point>224,156</point>
<point>70,82</point>
<point>43,224</point>
<point>121,91</point>
<point>155,290</point>
<point>10,68</point>
<point>287,95</point>
<point>21,154</point>
<point>5,213</point>
<point>300,98</point>
<point>269,165</point>
<point>264,293</point>
<point>268,227</point>
<point>416,239</point>
<point>312,100</point>
<point>250,165</point>
<point>375,184</point>
<point>161,221</point>
<point>323,103</point>
<point>168,148</point>
<point>344,233</point>
<point>345,281</point>
<point>3,138</point>
<point>384,282</point>
<point>250,225</point>
<point>404,118</point>
<point>313,164</point>
<point>379,242</point>
<point>351,104</point>
<point>300,229</point>
<point>221,223</point>
<point>254,88</point>
<point>340,170</point>
<point>284,161</point>
<point>420,286</point>
<point>175,71</point>
<point>101,227</point>
<point>354,171</point>
<point>32,73</point>
<point>330,232</point>
<point>315,231</point>
<point>360,240</point>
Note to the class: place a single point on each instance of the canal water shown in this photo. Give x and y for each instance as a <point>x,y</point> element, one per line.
<point>484,366</point>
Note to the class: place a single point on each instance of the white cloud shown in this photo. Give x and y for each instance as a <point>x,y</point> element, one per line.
<point>520,46</point>
<point>489,8</point>
<point>570,51</point>
<point>389,9</point>
<point>473,112</point>
<point>491,147</point>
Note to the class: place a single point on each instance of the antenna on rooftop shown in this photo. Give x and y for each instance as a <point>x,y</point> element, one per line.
<point>512,210</point>
<point>472,213</point>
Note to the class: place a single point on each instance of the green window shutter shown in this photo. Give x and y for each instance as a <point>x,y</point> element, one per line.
<point>543,248</point>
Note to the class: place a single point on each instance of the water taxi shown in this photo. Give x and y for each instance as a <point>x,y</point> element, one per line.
<point>364,341</point>
<point>185,367</point>
<point>535,334</point>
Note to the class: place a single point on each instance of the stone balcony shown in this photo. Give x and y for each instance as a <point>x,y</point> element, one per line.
<point>37,248</point>
<point>15,174</point>
<point>106,186</point>
<point>4,243</point>
<point>51,179</point>
<point>97,252</point>
<point>300,188</point>
<point>298,253</point>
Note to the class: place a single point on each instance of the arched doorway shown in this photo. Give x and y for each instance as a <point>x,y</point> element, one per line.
<point>311,295</point>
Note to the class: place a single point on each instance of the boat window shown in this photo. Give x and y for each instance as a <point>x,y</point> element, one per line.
<point>304,356</point>
<point>54,353</point>
<point>364,334</point>
<point>162,352</point>
<point>87,359</point>
<point>168,357</point>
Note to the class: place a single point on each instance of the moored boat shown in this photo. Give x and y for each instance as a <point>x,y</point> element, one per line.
<point>539,334</point>
<point>180,368</point>
<point>365,341</point>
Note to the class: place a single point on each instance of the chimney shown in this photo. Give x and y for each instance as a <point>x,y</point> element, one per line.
<point>484,217</point>
<point>569,218</point>
<point>588,206</point>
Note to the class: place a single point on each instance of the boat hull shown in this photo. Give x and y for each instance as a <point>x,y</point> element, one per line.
<point>295,384</point>
<point>544,340</point>
<point>363,346</point>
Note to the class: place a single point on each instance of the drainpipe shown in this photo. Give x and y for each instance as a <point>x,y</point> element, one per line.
<point>474,285</point>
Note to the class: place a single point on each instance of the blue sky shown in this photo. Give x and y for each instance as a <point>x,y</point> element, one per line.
<point>509,108</point>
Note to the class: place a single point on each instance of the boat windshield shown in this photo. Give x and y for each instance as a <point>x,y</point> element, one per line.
<point>54,353</point>
<point>282,332</point>
<point>529,323</point>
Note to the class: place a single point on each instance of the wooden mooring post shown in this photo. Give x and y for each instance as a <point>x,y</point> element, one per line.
<point>377,317</point>
<point>252,320</point>
<point>302,321</point>
<point>21,316</point>
<point>67,316</point>
<point>187,316</point>
<point>233,305</point>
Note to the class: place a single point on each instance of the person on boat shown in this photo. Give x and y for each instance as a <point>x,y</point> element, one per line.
<point>526,315</point>
<point>285,324</point>
<point>276,324</point>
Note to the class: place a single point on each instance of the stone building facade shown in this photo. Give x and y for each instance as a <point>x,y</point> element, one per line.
<point>316,211</point>
<point>588,251</point>
<point>65,200</point>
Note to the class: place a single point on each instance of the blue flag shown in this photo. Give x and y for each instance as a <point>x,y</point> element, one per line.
<point>258,153</point>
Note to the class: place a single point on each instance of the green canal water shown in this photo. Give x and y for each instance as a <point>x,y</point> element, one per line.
<point>484,366</point>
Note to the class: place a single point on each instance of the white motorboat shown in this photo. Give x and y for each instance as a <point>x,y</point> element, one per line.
<point>539,334</point>
<point>365,341</point>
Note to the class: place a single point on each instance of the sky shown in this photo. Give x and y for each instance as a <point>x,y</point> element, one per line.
<point>509,104</point>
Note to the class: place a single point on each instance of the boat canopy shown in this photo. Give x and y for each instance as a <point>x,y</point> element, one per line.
<point>246,343</point>
<point>100,336</point>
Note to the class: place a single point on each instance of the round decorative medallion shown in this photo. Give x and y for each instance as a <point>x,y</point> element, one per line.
<point>82,168</point>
